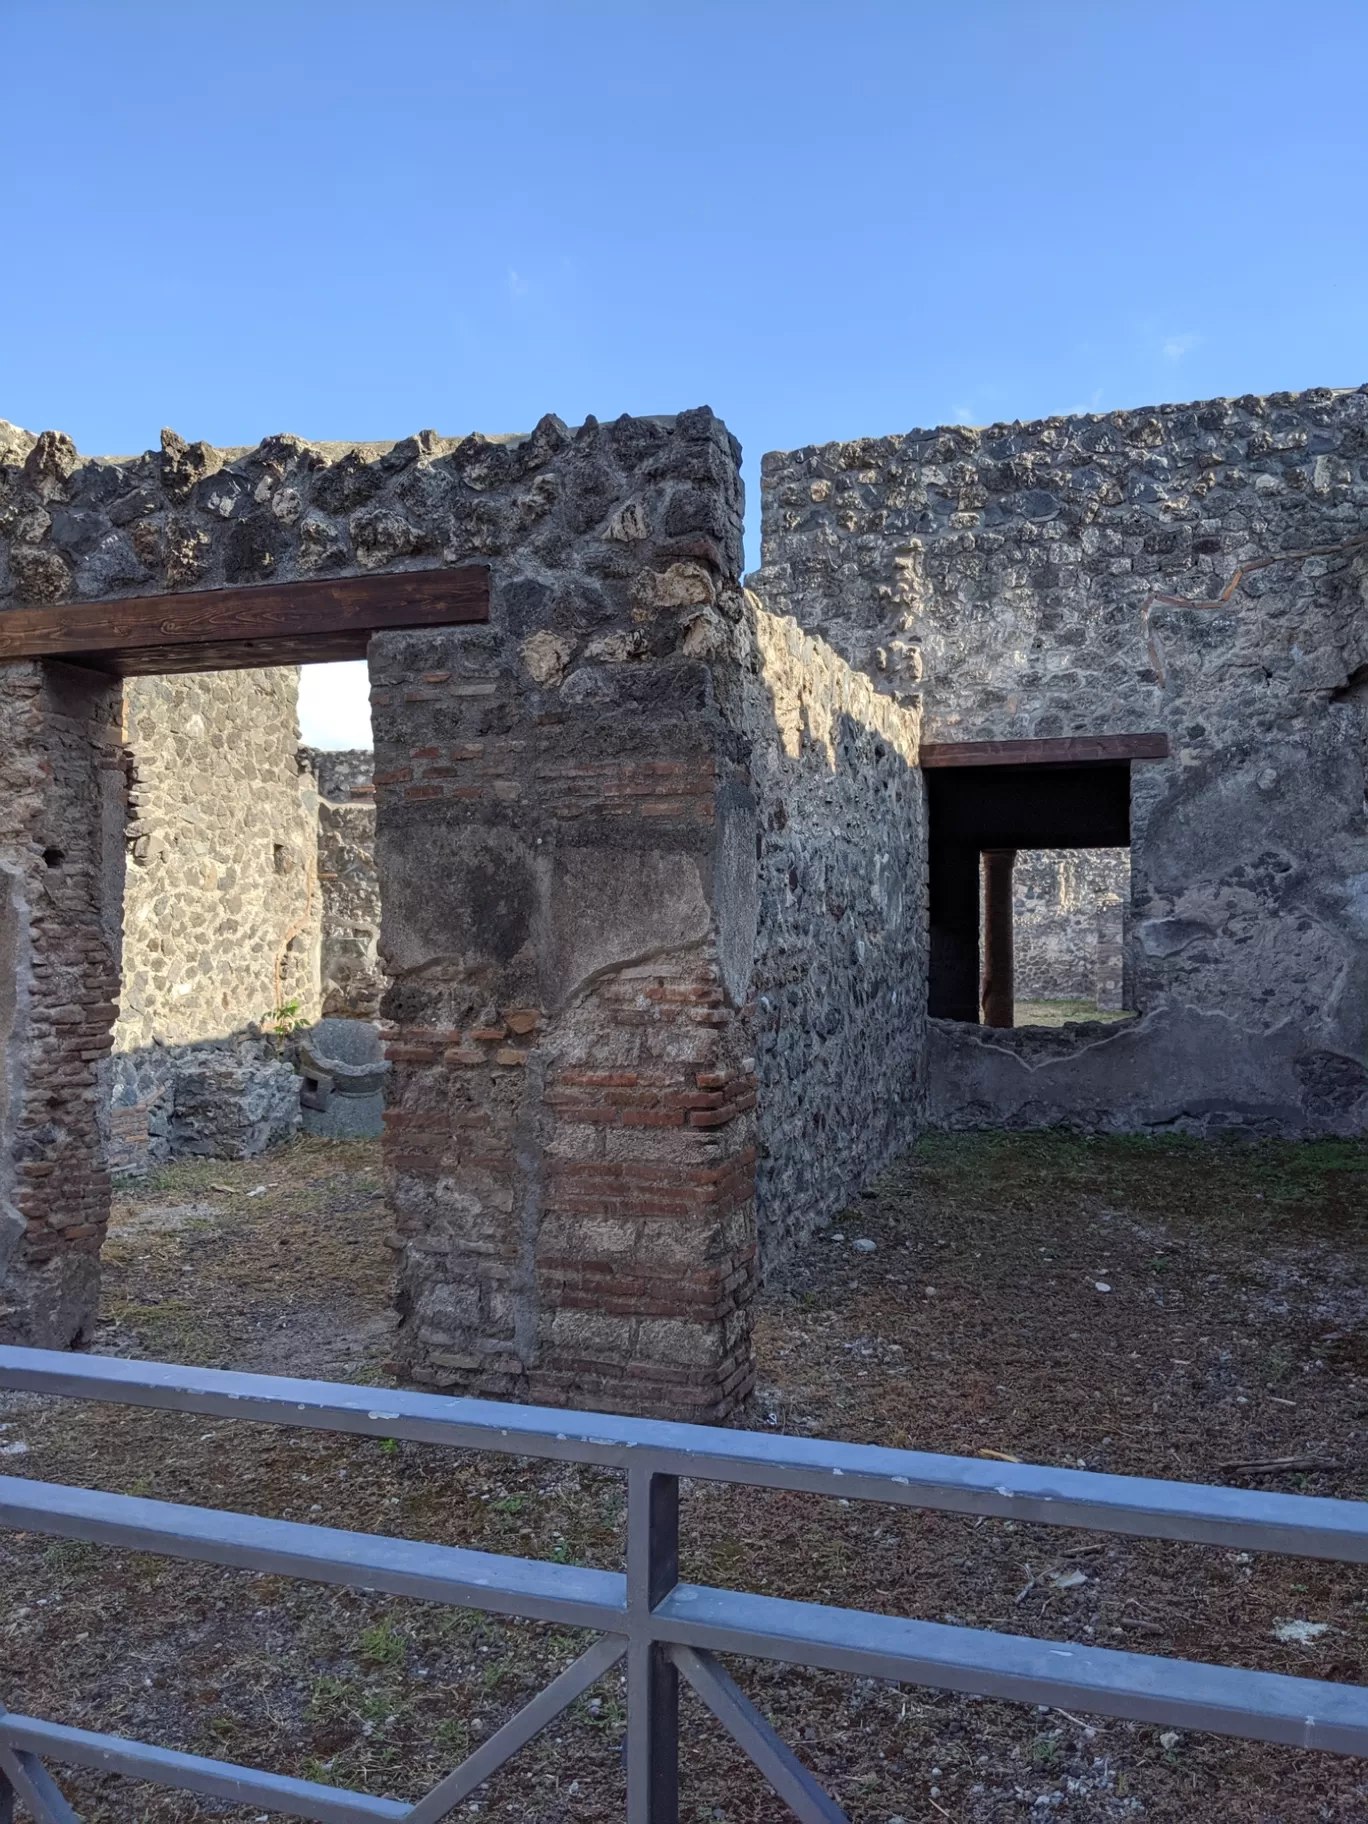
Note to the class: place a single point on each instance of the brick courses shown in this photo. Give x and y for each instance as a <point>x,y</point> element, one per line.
<point>60,843</point>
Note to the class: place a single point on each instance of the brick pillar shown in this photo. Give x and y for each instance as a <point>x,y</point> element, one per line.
<point>570,1134</point>
<point>566,847</point>
<point>61,834</point>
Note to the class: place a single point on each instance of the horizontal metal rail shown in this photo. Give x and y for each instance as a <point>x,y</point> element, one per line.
<point>664,1628</point>
<point>1300,1526</point>
<point>565,1593</point>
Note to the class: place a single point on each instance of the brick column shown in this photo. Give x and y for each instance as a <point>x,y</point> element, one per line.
<point>566,846</point>
<point>61,831</point>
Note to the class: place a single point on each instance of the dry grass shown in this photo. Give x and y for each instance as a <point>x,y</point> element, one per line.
<point>1234,1329</point>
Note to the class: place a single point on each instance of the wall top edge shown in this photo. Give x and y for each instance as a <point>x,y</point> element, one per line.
<point>16,442</point>
<point>1124,419</point>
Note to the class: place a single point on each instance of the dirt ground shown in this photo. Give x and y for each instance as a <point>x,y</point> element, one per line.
<point>1165,1308</point>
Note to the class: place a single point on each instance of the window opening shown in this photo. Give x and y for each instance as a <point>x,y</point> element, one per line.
<point>1028,864</point>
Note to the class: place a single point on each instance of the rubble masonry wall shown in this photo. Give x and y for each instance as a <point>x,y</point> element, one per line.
<point>841,954</point>
<point>221,898</point>
<point>1003,576</point>
<point>221,913</point>
<point>352,981</point>
<point>1067,919</point>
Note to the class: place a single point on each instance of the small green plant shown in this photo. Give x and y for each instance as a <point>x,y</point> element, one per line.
<point>509,1504</point>
<point>383,1645</point>
<point>331,1698</point>
<point>71,1555</point>
<point>390,1446</point>
<point>453,1737</point>
<point>283,1020</point>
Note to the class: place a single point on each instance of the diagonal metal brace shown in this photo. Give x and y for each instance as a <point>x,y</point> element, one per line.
<point>35,1786</point>
<point>799,1790</point>
<point>519,1730</point>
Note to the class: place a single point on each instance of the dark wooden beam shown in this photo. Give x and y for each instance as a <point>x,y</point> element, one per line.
<point>997,992</point>
<point>1068,750</point>
<point>227,629</point>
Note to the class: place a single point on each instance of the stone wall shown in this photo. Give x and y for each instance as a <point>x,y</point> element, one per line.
<point>221,903</point>
<point>840,966</point>
<point>352,980</point>
<point>1067,922</point>
<point>1014,576</point>
<point>221,913</point>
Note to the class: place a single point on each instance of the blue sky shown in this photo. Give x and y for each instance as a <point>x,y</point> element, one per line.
<point>823,220</point>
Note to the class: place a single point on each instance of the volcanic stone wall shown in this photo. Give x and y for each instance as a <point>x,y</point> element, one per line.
<point>574,863</point>
<point>1067,918</point>
<point>221,914</point>
<point>221,901</point>
<point>840,964</point>
<point>566,842</point>
<point>1017,576</point>
<point>352,979</point>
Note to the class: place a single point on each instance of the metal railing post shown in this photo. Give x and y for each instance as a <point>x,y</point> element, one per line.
<point>662,1626</point>
<point>652,1682</point>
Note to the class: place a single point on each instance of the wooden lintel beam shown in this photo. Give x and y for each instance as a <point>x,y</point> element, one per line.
<point>264,624</point>
<point>1067,750</point>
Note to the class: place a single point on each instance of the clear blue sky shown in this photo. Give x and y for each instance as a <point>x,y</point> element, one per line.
<point>823,220</point>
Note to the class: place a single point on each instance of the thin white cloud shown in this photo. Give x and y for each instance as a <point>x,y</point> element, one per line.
<point>1092,404</point>
<point>963,415</point>
<point>1175,347</point>
<point>518,287</point>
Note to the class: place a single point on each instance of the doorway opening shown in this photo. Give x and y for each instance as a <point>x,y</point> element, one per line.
<point>1029,884</point>
<point>230,885</point>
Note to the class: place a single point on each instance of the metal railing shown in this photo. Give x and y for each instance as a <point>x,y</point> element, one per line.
<point>664,1628</point>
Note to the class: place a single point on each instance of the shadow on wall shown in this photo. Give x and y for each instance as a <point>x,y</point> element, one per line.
<point>232,1098</point>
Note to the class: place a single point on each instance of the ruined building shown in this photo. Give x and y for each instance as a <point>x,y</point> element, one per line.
<point>687,889</point>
